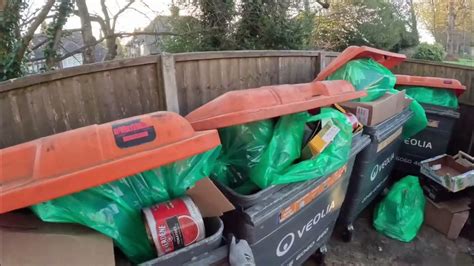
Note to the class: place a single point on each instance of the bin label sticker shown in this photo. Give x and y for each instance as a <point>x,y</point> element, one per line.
<point>362,114</point>
<point>433,123</point>
<point>300,203</point>
<point>419,143</point>
<point>389,140</point>
<point>133,133</point>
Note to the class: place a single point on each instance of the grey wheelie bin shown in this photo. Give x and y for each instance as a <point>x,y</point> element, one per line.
<point>372,170</point>
<point>292,223</point>
<point>282,223</point>
<point>438,97</point>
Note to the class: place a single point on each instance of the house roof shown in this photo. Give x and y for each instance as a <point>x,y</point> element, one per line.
<point>68,44</point>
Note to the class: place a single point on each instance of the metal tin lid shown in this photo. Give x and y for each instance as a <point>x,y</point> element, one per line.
<point>82,158</point>
<point>387,59</point>
<point>244,106</point>
<point>431,82</point>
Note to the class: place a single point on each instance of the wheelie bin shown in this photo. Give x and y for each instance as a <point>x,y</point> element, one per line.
<point>70,164</point>
<point>438,97</point>
<point>284,224</point>
<point>373,165</point>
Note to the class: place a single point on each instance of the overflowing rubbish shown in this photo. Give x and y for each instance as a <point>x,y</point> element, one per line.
<point>266,152</point>
<point>400,214</point>
<point>114,209</point>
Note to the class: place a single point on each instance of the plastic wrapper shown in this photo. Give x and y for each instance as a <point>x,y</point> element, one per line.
<point>275,159</point>
<point>114,209</point>
<point>400,214</point>
<point>435,96</point>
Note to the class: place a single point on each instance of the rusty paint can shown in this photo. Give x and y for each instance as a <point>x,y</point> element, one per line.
<point>174,224</point>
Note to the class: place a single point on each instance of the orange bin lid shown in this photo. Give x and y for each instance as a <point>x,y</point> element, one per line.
<point>68,162</point>
<point>244,106</point>
<point>387,59</point>
<point>431,82</point>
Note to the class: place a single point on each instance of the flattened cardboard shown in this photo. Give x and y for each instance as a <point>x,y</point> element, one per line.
<point>25,240</point>
<point>375,112</point>
<point>447,217</point>
<point>209,199</point>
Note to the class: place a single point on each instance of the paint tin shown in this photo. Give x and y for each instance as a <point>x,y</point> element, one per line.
<point>174,224</point>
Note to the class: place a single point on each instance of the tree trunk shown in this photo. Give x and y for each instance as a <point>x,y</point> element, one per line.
<point>88,54</point>
<point>414,23</point>
<point>451,29</point>
<point>110,43</point>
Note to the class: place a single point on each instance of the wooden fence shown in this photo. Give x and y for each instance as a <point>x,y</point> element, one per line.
<point>40,105</point>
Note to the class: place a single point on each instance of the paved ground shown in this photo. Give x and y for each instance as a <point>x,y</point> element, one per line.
<point>371,248</point>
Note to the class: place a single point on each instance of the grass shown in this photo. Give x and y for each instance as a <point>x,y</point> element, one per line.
<point>462,61</point>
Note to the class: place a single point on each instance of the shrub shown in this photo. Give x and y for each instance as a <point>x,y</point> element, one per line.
<point>433,52</point>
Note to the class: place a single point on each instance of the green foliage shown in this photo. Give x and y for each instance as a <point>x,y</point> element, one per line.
<point>255,24</point>
<point>10,40</point>
<point>433,52</point>
<point>375,23</point>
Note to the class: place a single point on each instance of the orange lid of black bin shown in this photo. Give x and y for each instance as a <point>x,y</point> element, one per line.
<point>82,158</point>
<point>387,59</point>
<point>431,82</point>
<point>244,106</point>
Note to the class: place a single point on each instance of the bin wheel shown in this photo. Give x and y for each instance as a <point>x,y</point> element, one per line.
<point>319,256</point>
<point>347,234</point>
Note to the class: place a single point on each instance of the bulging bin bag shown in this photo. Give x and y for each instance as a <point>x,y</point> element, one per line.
<point>400,214</point>
<point>367,74</point>
<point>114,209</point>
<point>435,96</point>
<point>275,157</point>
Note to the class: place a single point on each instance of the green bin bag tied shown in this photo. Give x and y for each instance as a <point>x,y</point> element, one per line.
<point>114,209</point>
<point>434,96</point>
<point>400,214</point>
<point>269,156</point>
<point>367,74</point>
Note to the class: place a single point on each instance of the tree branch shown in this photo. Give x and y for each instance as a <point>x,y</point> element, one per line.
<point>31,30</point>
<point>120,12</point>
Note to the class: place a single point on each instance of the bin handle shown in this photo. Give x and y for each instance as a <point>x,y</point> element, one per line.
<point>467,157</point>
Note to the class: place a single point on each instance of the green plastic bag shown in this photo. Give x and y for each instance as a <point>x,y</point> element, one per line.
<point>417,122</point>
<point>114,209</point>
<point>400,214</point>
<point>274,157</point>
<point>440,97</point>
<point>242,147</point>
<point>366,74</point>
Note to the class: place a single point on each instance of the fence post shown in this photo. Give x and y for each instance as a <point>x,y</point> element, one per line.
<point>169,82</point>
<point>322,61</point>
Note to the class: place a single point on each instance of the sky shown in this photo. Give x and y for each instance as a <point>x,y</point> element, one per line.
<point>141,15</point>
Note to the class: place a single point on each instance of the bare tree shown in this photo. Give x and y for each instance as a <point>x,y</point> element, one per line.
<point>28,36</point>
<point>88,54</point>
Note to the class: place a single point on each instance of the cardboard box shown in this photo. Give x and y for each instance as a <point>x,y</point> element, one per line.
<point>25,240</point>
<point>320,141</point>
<point>448,172</point>
<point>447,217</point>
<point>375,112</point>
<point>209,199</point>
